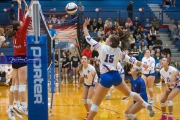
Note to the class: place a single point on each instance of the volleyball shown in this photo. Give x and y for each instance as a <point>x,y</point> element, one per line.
<point>71,8</point>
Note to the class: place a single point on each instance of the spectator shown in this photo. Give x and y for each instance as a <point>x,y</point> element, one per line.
<point>155,24</point>
<point>116,24</point>
<point>153,33</point>
<point>175,35</point>
<point>121,22</point>
<point>172,62</point>
<point>130,10</point>
<point>151,50</point>
<point>87,52</point>
<point>12,14</point>
<point>166,50</point>
<point>158,43</point>
<point>52,32</point>
<point>142,48</point>
<point>135,52</point>
<point>8,71</point>
<point>157,59</point>
<point>171,27</point>
<point>147,24</point>
<point>95,53</point>
<point>94,25</point>
<point>129,23</point>
<point>149,40</point>
<point>101,40</point>
<point>173,2</point>
<point>178,26</point>
<point>100,32</point>
<point>163,54</point>
<point>143,40</point>
<point>81,12</point>
<point>100,24</point>
<point>54,19</point>
<point>136,23</point>
<point>110,22</point>
<point>136,33</point>
<point>2,37</point>
<point>141,34</point>
<point>132,41</point>
<point>107,29</point>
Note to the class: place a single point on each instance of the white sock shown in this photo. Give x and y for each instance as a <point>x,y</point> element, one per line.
<point>24,104</point>
<point>145,104</point>
<point>73,77</point>
<point>10,107</point>
<point>17,103</point>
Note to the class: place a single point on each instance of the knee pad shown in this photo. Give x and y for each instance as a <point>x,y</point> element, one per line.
<point>57,75</point>
<point>132,94</point>
<point>163,104</point>
<point>77,76</point>
<point>84,101</point>
<point>132,116</point>
<point>89,101</point>
<point>12,88</point>
<point>94,108</point>
<point>73,77</point>
<point>22,88</point>
<point>170,103</point>
<point>16,87</point>
<point>150,89</point>
<point>65,75</point>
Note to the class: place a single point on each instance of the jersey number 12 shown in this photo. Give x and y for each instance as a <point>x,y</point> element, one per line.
<point>109,58</point>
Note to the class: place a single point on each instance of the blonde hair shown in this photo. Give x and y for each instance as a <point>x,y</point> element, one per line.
<point>139,70</point>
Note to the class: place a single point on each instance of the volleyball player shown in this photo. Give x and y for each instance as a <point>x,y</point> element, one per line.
<point>88,73</point>
<point>138,86</point>
<point>19,70</point>
<point>172,79</point>
<point>109,55</point>
<point>65,67</point>
<point>74,66</point>
<point>121,72</point>
<point>149,73</point>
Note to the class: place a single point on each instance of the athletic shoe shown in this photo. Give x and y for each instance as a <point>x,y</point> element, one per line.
<point>159,84</point>
<point>151,101</point>
<point>23,110</point>
<point>10,114</point>
<point>67,82</point>
<point>107,96</point>
<point>63,81</point>
<point>151,112</point>
<point>16,108</point>
<point>163,117</point>
<point>170,118</point>
<point>17,114</point>
<point>6,84</point>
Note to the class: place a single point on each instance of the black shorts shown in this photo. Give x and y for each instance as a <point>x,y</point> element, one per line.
<point>17,66</point>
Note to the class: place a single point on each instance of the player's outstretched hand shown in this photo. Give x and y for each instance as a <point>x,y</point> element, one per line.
<point>87,21</point>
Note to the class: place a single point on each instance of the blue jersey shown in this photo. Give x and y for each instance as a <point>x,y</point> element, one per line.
<point>139,87</point>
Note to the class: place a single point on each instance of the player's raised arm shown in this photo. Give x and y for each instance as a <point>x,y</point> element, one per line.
<point>132,60</point>
<point>91,41</point>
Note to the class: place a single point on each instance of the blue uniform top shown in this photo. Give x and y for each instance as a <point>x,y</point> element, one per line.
<point>52,32</point>
<point>139,87</point>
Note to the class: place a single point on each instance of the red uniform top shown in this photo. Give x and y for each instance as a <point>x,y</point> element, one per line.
<point>87,53</point>
<point>20,37</point>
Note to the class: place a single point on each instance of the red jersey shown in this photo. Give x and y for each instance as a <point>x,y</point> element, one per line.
<point>20,37</point>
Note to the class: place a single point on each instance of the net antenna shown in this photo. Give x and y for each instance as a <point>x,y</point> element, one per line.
<point>36,19</point>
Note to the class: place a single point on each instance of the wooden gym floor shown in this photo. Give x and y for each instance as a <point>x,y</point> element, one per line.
<point>68,105</point>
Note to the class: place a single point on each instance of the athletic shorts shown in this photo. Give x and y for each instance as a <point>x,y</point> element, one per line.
<point>74,66</point>
<point>152,74</point>
<point>67,66</point>
<point>110,78</point>
<point>93,85</point>
<point>178,87</point>
<point>17,66</point>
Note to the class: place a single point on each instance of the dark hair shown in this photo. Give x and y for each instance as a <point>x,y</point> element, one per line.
<point>15,29</point>
<point>124,41</point>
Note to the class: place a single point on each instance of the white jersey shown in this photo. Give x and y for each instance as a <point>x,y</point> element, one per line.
<point>151,65</point>
<point>89,75</point>
<point>170,75</point>
<point>108,56</point>
<point>8,69</point>
<point>119,68</point>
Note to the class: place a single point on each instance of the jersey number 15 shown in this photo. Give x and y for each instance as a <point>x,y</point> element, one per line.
<point>109,58</point>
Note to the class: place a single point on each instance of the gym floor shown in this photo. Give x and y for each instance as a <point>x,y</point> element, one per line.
<point>68,105</point>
